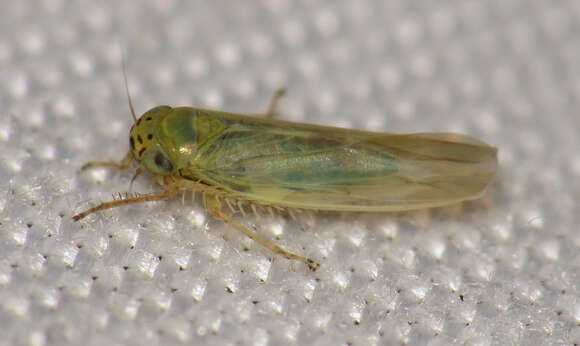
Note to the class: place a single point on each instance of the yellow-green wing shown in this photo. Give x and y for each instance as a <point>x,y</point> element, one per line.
<point>325,168</point>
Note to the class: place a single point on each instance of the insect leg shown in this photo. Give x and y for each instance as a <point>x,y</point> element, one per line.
<point>271,113</point>
<point>125,163</point>
<point>113,204</point>
<point>215,210</point>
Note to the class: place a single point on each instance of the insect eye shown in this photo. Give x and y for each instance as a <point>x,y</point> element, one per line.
<point>162,162</point>
<point>132,143</point>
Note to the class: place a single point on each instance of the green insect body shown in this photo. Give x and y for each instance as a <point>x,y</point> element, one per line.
<point>232,158</point>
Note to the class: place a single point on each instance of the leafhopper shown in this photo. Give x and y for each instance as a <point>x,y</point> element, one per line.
<point>239,161</point>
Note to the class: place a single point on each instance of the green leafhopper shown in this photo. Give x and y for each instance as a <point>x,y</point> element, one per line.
<point>236,160</point>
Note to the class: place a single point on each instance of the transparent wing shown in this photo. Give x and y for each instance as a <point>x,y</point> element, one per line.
<point>325,168</point>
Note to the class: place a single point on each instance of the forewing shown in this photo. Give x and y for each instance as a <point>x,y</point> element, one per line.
<point>327,168</point>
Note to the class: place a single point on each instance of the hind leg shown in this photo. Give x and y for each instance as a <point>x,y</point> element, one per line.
<point>215,210</point>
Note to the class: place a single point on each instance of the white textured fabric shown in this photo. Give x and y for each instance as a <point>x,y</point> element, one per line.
<point>503,270</point>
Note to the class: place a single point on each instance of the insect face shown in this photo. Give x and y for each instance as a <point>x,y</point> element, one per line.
<point>145,145</point>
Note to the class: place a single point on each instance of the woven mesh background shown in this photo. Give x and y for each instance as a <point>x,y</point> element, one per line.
<point>503,270</point>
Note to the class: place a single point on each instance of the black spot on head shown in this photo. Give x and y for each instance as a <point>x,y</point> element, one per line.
<point>140,139</point>
<point>148,118</point>
<point>132,143</point>
<point>149,136</point>
<point>141,151</point>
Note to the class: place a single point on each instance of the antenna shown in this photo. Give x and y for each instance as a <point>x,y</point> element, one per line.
<point>127,87</point>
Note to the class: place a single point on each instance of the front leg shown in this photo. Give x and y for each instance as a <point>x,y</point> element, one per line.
<point>124,164</point>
